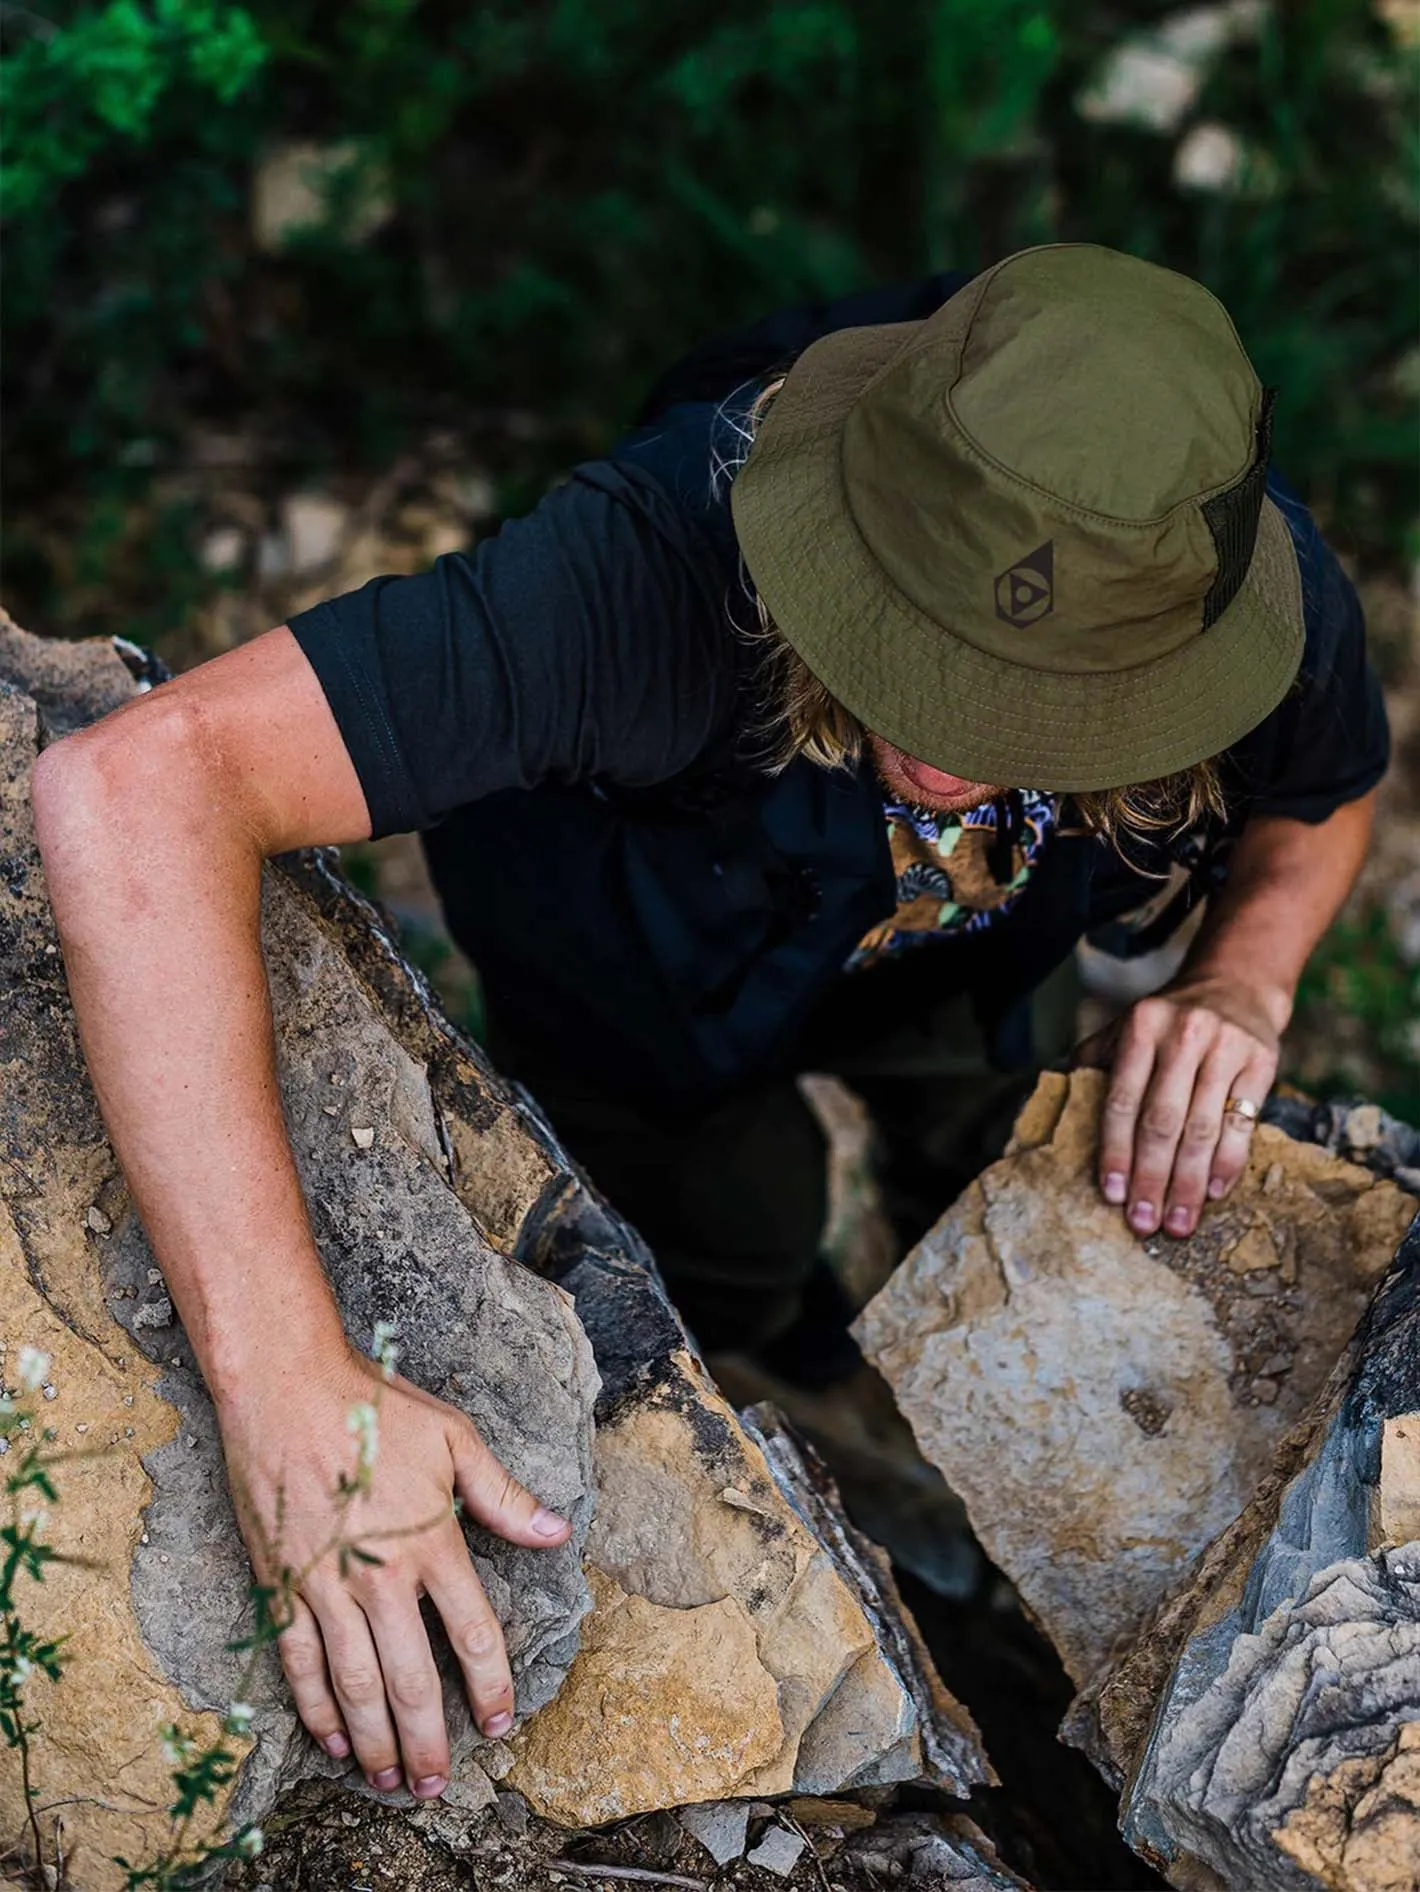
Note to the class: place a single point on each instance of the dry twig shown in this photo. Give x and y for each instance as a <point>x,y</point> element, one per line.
<point>641,1874</point>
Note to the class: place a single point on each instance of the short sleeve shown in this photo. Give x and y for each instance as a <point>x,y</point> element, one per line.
<point>1327,742</point>
<point>584,641</point>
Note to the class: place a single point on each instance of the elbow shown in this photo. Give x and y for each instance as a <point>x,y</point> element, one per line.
<point>95,791</point>
<point>65,787</point>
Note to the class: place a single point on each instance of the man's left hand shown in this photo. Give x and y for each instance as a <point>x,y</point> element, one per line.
<point>1167,1143</point>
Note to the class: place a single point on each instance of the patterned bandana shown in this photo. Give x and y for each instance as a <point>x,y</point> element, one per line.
<point>954,874</point>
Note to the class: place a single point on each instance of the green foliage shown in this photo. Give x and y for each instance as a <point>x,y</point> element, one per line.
<point>70,93</point>
<point>580,189</point>
<point>1359,973</point>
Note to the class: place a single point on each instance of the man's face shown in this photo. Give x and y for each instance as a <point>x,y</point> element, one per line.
<point>909,780</point>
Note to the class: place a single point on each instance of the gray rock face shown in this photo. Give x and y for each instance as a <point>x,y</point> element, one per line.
<point>476,1329</point>
<point>1268,1723</point>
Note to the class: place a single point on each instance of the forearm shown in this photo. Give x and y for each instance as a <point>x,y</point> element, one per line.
<point>1286,882</point>
<point>155,874</point>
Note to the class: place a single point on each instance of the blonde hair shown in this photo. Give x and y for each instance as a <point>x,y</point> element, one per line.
<point>801,717</point>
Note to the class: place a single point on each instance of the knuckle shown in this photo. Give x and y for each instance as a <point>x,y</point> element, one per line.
<point>1161,1121</point>
<point>1120,1105</point>
<point>479,1640</point>
<point>1196,1027</point>
<point>1200,1133</point>
<point>511,1492</point>
<point>302,1657</point>
<point>409,1685</point>
<point>361,1685</point>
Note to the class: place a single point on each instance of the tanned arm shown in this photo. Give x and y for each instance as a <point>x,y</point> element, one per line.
<point>1166,1145</point>
<point>154,824</point>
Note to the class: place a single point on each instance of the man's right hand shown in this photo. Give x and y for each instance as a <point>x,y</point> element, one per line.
<point>154,824</point>
<point>355,1652</point>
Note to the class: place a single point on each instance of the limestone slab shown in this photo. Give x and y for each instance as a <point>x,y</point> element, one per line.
<point>1105,1404</point>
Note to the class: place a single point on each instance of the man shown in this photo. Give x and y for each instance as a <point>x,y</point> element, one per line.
<point>847,689</point>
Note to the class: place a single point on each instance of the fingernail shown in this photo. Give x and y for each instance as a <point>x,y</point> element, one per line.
<point>1115,1186</point>
<point>430,1787</point>
<point>1143,1218</point>
<point>387,1779</point>
<point>1178,1221</point>
<point>547,1523</point>
<point>497,1725</point>
<point>337,1746</point>
<point>1216,1187</point>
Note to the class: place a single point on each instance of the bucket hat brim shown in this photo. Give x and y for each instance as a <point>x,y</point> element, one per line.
<point>1008,723</point>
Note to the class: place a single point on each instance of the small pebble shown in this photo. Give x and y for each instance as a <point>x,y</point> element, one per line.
<point>155,1275</point>
<point>363,1136</point>
<point>331,1110</point>
<point>48,1389</point>
<point>128,1399</point>
<point>98,1221</point>
<point>83,1426</point>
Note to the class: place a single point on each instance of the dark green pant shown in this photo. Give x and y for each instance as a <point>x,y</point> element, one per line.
<point>733,1202</point>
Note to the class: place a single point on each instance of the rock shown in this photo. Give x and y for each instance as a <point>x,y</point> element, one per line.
<point>315,524</point>
<point>721,1826</point>
<point>151,1613</point>
<point>643,1667</point>
<point>930,1852</point>
<point>297,184</point>
<point>1267,1724</point>
<point>1105,1405</point>
<point>462,1182</point>
<point>778,1851</point>
<point>223,549</point>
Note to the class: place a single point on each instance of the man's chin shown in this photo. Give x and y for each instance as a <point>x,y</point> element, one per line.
<point>903,776</point>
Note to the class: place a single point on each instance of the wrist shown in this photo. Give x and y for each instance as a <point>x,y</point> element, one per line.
<point>248,1363</point>
<point>1245,990</point>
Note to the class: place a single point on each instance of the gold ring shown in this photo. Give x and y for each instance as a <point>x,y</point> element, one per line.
<point>1241,1107</point>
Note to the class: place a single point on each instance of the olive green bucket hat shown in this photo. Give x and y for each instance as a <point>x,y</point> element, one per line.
<point>1026,540</point>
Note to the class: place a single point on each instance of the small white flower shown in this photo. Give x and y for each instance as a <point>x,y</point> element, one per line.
<point>363,1422</point>
<point>250,1843</point>
<point>177,1747</point>
<point>21,1669</point>
<point>384,1348</point>
<point>1209,158</point>
<point>33,1367</point>
<point>240,1715</point>
<point>35,1521</point>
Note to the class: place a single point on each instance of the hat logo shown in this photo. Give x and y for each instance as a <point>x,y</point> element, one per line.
<point>1025,591</point>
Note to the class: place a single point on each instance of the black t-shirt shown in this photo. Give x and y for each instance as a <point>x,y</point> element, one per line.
<point>595,647</point>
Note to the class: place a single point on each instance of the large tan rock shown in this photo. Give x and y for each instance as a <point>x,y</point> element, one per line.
<point>692,1674</point>
<point>1106,1404</point>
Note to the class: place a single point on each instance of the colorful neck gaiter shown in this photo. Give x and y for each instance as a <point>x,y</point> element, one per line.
<point>957,873</point>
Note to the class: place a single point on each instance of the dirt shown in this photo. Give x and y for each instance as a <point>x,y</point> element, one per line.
<point>349,1845</point>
